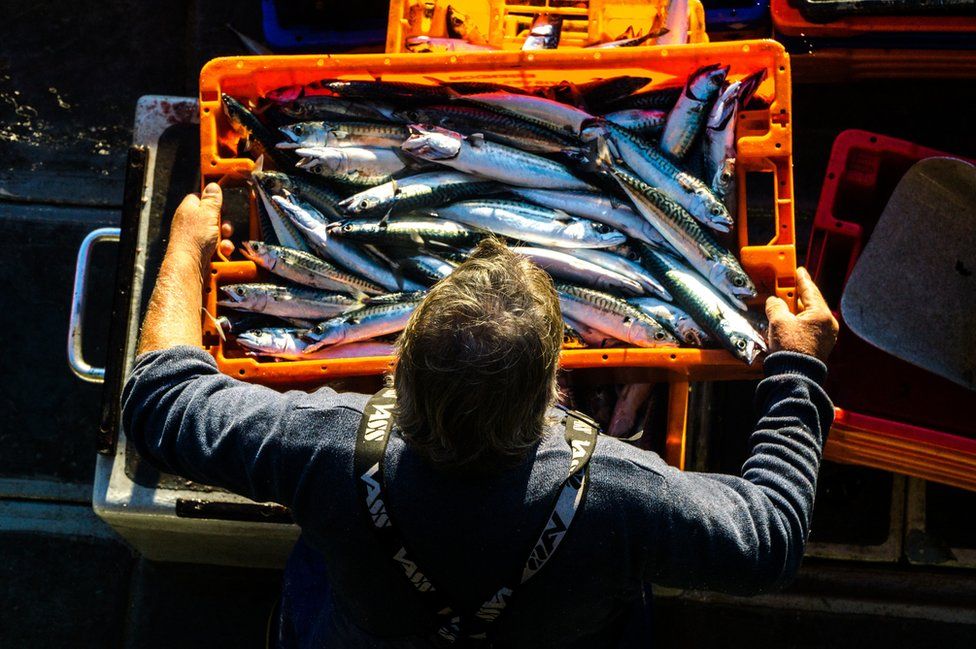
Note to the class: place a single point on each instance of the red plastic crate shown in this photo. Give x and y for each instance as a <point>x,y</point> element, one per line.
<point>885,398</point>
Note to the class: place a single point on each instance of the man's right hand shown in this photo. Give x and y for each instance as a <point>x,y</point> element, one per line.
<point>812,331</point>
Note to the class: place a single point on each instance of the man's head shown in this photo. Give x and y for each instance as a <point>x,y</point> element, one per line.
<point>477,361</point>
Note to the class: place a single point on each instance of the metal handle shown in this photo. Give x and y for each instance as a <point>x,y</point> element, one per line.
<point>76,359</point>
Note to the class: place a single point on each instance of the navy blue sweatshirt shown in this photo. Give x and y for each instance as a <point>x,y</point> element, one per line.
<point>642,520</point>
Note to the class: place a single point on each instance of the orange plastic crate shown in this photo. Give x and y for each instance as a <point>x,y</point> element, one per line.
<point>764,147</point>
<point>790,21</point>
<point>502,23</point>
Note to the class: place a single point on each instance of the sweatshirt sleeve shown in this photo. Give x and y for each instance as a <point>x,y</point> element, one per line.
<point>188,418</point>
<point>744,535</point>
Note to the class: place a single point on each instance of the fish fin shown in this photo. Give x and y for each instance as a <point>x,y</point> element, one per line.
<point>386,217</point>
<point>216,323</point>
<point>476,139</point>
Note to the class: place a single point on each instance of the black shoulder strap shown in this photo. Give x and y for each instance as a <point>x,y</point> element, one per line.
<point>371,441</point>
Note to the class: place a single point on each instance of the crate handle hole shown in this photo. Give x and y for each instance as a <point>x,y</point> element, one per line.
<point>241,372</point>
<point>831,176</point>
<point>873,140</point>
<point>779,145</point>
<point>325,368</point>
<point>605,357</point>
<point>674,357</point>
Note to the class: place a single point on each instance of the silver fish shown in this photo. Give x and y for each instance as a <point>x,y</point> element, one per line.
<point>374,319</point>
<point>475,155</point>
<point>306,269</point>
<point>629,41</point>
<point>319,107</point>
<point>353,165</point>
<point>612,316</point>
<point>358,260</point>
<point>544,34</point>
<point>567,268</point>
<point>647,122</point>
<point>413,192</point>
<point>283,342</point>
<point>321,198</point>
<point>706,305</point>
<point>286,301</point>
<point>684,234</point>
<point>305,218</point>
<point>686,119</point>
<point>718,138</point>
<point>676,24</point>
<point>342,134</point>
<point>531,223</point>
<point>595,206</point>
<point>590,336</point>
<point>657,171</point>
<point>558,115</point>
<point>408,229</point>
<point>284,230</point>
<point>286,343</point>
<point>625,267</point>
<point>674,319</point>
<point>430,268</point>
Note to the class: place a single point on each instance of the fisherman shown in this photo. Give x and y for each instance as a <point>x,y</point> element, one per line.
<point>465,509</point>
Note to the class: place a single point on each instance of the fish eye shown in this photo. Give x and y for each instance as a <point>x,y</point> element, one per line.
<point>602,228</point>
<point>716,211</point>
<point>659,335</point>
<point>740,344</point>
<point>299,128</point>
<point>363,204</point>
<point>239,291</point>
<point>739,282</point>
<point>726,176</point>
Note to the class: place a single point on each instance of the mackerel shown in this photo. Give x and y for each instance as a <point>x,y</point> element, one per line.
<point>359,166</point>
<point>286,301</point>
<point>306,269</point>
<point>475,155</point>
<point>321,198</point>
<point>414,192</point>
<point>686,119</point>
<point>328,108</point>
<point>657,99</point>
<point>644,122</point>
<point>612,316</point>
<point>656,170</point>
<point>684,234</point>
<point>285,231</point>
<point>286,343</point>
<point>371,321</point>
<point>625,267</point>
<point>574,270</point>
<point>590,336</point>
<point>497,125</point>
<point>342,134</point>
<point>429,268</point>
<point>706,305</point>
<point>674,319</point>
<point>595,206</point>
<point>531,223</point>
<point>408,229</point>
<point>559,115</point>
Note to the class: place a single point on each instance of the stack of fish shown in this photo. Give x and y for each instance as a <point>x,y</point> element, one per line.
<point>382,188</point>
<point>436,27</point>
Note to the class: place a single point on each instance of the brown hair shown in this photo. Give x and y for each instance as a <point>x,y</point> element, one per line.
<point>477,361</point>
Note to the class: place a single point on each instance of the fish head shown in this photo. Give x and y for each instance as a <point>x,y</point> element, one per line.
<point>745,346</point>
<point>733,281</point>
<point>238,115</point>
<point>252,297</point>
<point>258,340</point>
<point>286,94</point>
<point>607,235</point>
<point>707,81</point>
<point>432,142</point>
<point>316,159</point>
<point>304,134</point>
<point>724,179</point>
<point>709,208</point>
<point>369,200</point>
<point>652,334</point>
<point>413,116</point>
<point>258,250</point>
<point>271,182</point>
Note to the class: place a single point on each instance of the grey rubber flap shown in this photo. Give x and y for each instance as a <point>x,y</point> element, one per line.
<point>913,290</point>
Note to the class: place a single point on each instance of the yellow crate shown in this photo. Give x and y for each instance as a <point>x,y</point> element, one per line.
<point>505,24</point>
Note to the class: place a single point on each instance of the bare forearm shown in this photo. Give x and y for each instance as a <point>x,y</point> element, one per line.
<point>173,315</point>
